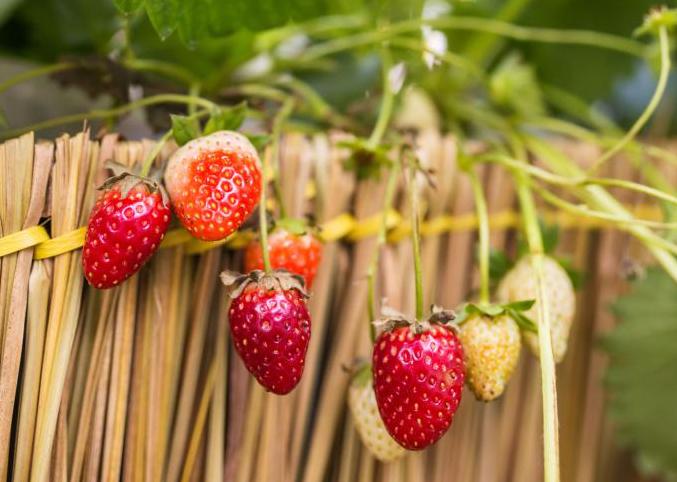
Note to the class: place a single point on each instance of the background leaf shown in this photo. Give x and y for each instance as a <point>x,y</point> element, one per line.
<point>641,374</point>
<point>184,129</point>
<point>128,6</point>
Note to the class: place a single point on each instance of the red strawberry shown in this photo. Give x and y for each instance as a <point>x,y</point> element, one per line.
<point>298,254</point>
<point>214,183</point>
<point>418,371</point>
<point>270,326</point>
<point>125,228</point>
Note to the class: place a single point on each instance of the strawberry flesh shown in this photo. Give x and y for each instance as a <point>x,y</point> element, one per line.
<point>271,330</point>
<point>123,232</point>
<point>418,381</point>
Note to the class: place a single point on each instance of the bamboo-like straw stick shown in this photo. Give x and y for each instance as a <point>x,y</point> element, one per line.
<point>38,298</point>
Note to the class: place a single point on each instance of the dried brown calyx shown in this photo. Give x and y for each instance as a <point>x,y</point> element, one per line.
<point>391,319</point>
<point>279,279</point>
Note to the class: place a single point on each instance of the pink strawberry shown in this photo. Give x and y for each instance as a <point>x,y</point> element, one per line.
<point>418,371</point>
<point>270,326</point>
<point>214,183</point>
<point>124,230</point>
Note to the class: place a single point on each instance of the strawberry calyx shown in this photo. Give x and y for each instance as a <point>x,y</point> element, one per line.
<point>515,310</point>
<point>276,280</point>
<point>391,319</point>
<point>297,226</point>
<point>125,181</point>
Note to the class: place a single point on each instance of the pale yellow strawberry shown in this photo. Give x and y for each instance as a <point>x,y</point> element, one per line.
<point>362,403</point>
<point>491,346</point>
<point>520,284</point>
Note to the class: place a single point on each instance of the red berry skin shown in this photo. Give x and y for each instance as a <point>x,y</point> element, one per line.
<point>214,183</point>
<point>297,254</point>
<point>271,330</point>
<point>418,382</point>
<point>123,232</point>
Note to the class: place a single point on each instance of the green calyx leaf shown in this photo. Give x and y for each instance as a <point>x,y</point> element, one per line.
<point>657,18</point>
<point>226,118</point>
<point>366,161</point>
<point>640,377</point>
<point>515,310</point>
<point>184,128</point>
<point>259,141</point>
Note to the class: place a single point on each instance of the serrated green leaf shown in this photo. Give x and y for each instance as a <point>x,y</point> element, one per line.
<point>128,7</point>
<point>164,15</point>
<point>521,305</point>
<point>641,372</point>
<point>226,118</point>
<point>184,128</point>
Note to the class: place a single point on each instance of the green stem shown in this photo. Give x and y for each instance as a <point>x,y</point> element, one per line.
<point>148,161</point>
<point>37,72</point>
<point>415,235</point>
<point>263,217</point>
<point>483,221</point>
<point>282,115</point>
<point>388,197</point>
<point>113,112</point>
<point>622,223</point>
<point>167,69</point>
<point>651,106</point>
<point>387,102</point>
<point>194,92</point>
<point>485,25</point>
<point>547,361</point>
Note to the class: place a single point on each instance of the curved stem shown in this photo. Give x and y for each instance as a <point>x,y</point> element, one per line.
<point>388,197</point>
<point>483,222</point>
<point>167,69</point>
<point>113,112</point>
<point>282,115</point>
<point>651,106</point>
<point>33,73</point>
<point>387,102</point>
<point>587,212</point>
<point>263,217</point>
<point>148,161</point>
<point>485,25</point>
<point>415,235</point>
<point>547,361</point>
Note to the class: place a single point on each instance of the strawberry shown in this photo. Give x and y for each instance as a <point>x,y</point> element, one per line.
<point>362,404</point>
<point>270,326</point>
<point>214,183</point>
<point>520,283</point>
<point>492,346</point>
<point>418,372</point>
<point>125,228</point>
<point>297,253</point>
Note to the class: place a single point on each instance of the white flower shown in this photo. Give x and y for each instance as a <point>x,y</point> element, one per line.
<point>256,67</point>
<point>434,9</point>
<point>292,47</point>
<point>435,44</point>
<point>396,76</point>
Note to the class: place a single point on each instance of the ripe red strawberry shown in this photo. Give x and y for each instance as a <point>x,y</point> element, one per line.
<point>214,183</point>
<point>125,228</point>
<point>298,254</point>
<point>418,371</point>
<point>270,326</point>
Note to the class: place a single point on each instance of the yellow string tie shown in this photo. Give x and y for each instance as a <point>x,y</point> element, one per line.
<point>337,228</point>
<point>20,240</point>
<point>367,227</point>
<point>61,244</point>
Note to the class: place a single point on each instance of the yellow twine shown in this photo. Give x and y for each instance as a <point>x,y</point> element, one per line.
<point>344,226</point>
<point>22,239</point>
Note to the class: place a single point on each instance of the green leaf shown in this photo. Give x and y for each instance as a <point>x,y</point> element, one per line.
<point>296,226</point>
<point>6,8</point>
<point>576,276</point>
<point>164,15</point>
<point>366,161</point>
<point>226,118</point>
<point>549,236</point>
<point>499,265</point>
<point>184,128</point>
<point>3,119</point>
<point>514,310</point>
<point>641,372</point>
<point>513,86</point>
<point>193,22</point>
<point>259,141</point>
<point>128,7</point>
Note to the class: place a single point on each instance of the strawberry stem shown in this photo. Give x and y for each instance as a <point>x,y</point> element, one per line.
<point>263,219</point>
<point>650,108</point>
<point>282,115</point>
<point>415,234</point>
<point>380,241</point>
<point>387,102</point>
<point>483,221</point>
<point>547,361</point>
<point>148,161</point>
